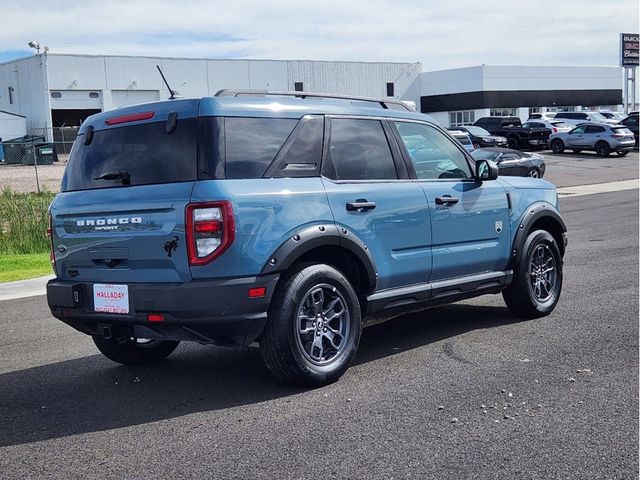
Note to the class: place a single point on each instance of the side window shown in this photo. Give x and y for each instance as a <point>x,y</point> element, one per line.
<point>577,131</point>
<point>434,156</point>
<point>360,151</point>
<point>631,121</point>
<point>594,129</point>
<point>251,144</point>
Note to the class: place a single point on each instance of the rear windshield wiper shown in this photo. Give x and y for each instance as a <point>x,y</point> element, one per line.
<point>115,175</point>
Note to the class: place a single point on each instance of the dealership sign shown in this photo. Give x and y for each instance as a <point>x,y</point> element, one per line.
<point>629,49</point>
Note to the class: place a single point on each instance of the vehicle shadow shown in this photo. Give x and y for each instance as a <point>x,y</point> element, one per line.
<point>92,394</point>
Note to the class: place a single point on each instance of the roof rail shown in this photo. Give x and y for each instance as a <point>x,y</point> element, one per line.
<point>383,103</point>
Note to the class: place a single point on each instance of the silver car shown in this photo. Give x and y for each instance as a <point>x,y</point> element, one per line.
<point>603,139</point>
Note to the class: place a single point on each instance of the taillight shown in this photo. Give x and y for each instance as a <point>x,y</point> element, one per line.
<point>555,130</point>
<point>52,257</point>
<point>618,135</point>
<point>210,230</point>
<point>134,117</point>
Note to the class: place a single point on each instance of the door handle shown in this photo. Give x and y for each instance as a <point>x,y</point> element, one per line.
<point>446,200</point>
<point>360,206</point>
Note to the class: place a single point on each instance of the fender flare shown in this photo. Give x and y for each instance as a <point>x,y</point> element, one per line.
<point>321,235</point>
<point>534,212</point>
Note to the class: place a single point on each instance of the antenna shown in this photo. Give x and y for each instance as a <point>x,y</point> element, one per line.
<point>173,94</point>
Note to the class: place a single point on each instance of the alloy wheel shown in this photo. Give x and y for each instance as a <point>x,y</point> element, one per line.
<point>322,324</point>
<point>543,273</point>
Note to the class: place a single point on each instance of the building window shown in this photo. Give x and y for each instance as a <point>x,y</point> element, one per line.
<point>94,95</point>
<point>298,87</point>
<point>10,95</point>
<point>504,112</point>
<point>457,119</point>
<point>56,95</point>
<point>390,89</point>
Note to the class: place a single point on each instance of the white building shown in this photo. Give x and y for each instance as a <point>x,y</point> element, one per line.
<point>62,90</point>
<point>52,90</point>
<point>461,96</point>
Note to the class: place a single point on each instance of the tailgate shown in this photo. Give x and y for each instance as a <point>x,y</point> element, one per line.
<point>134,234</point>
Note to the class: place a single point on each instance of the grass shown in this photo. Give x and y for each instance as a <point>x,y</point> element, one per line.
<point>24,222</point>
<point>19,267</point>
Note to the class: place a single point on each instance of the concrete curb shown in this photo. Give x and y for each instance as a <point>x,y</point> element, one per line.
<point>24,288</point>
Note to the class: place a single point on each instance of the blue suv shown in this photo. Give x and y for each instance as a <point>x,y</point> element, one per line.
<point>288,219</point>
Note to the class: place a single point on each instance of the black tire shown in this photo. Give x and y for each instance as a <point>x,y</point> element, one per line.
<point>512,143</point>
<point>622,154</point>
<point>287,351</point>
<point>577,150</point>
<point>533,172</point>
<point>557,145</point>
<point>134,352</point>
<point>521,297</point>
<point>603,149</point>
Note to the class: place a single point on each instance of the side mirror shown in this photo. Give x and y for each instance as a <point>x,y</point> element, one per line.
<point>486,170</point>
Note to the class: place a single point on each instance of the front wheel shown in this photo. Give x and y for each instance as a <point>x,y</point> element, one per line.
<point>314,327</point>
<point>134,351</point>
<point>512,142</point>
<point>537,277</point>
<point>557,146</point>
<point>533,173</point>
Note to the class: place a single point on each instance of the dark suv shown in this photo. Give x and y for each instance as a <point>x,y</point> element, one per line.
<point>289,220</point>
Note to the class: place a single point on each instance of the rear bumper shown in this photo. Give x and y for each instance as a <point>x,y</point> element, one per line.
<point>214,311</point>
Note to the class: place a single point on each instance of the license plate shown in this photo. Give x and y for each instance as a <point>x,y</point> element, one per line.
<point>535,142</point>
<point>110,298</point>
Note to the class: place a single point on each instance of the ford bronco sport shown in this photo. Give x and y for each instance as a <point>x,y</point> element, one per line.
<point>288,220</point>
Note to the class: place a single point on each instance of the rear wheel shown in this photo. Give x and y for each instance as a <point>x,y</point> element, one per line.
<point>622,154</point>
<point>134,351</point>
<point>537,277</point>
<point>557,145</point>
<point>512,142</point>
<point>314,327</point>
<point>603,149</point>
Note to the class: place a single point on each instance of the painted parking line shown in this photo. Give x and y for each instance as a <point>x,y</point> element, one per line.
<point>580,190</point>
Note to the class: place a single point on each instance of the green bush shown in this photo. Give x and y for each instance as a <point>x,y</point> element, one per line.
<point>24,222</point>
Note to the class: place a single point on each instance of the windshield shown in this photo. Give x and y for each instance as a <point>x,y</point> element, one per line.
<point>484,154</point>
<point>597,116</point>
<point>478,131</point>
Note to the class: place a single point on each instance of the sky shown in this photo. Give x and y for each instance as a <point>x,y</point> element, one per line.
<point>440,34</point>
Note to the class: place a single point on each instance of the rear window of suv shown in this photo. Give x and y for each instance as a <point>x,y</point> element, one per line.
<point>146,152</point>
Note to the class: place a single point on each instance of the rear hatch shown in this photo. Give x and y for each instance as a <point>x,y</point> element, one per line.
<point>120,216</point>
<point>539,133</point>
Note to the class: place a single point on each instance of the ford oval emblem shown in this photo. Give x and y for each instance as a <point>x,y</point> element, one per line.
<point>62,248</point>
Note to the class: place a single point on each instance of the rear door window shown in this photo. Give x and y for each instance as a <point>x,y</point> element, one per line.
<point>145,152</point>
<point>359,150</point>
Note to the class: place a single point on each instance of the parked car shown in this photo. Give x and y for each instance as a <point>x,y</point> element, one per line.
<point>617,116</point>
<point>513,162</point>
<point>601,138</point>
<point>547,116</point>
<point>517,136</point>
<point>576,118</point>
<point>554,125</point>
<point>631,122</point>
<point>265,217</point>
<point>481,138</point>
<point>462,137</point>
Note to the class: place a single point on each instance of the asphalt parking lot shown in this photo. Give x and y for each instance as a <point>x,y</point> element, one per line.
<point>461,391</point>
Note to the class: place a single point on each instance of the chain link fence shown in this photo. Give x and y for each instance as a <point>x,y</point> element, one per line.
<point>35,163</point>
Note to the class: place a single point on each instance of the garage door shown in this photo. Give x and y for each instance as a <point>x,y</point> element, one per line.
<point>124,98</point>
